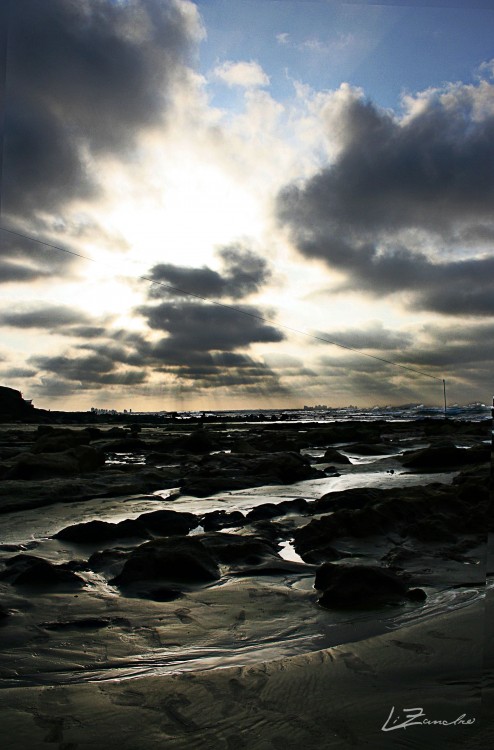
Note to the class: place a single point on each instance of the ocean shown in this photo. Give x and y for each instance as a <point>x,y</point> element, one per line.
<point>475,412</point>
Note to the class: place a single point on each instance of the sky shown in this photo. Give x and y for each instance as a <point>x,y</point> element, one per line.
<point>246,204</point>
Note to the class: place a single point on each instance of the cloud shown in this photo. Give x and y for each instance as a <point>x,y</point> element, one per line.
<point>18,372</point>
<point>400,195</point>
<point>23,260</point>
<point>244,74</point>
<point>313,44</point>
<point>92,370</point>
<point>84,78</point>
<point>244,272</point>
<point>201,346</point>
<point>283,38</point>
<point>198,327</point>
<point>371,336</point>
<point>43,316</point>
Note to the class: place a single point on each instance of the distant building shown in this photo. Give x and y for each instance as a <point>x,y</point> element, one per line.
<point>97,410</point>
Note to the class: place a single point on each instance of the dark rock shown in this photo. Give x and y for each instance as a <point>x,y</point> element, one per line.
<point>352,499</point>
<point>161,594</point>
<point>239,549</point>
<point>445,457</point>
<point>108,561</point>
<point>331,471</point>
<point>279,567</point>
<point>325,553</point>
<point>200,441</point>
<point>416,595</point>
<point>168,522</point>
<point>88,458</point>
<point>272,510</point>
<point>335,457</point>
<point>84,623</point>
<point>224,471</point>
<point>174,559</point>
<point>121,445</point>
<point>398,556</point>
<point>430,530</point>
<point>93,532</point>
<point>60,440</point>
<point>357,585</point>
<point>221,519</point>
<point>28,570</point>
<point>241,445</point>
<point>76,460</point>
<point>264,511</point>
<point>4,613</point>
<point>317,534</point>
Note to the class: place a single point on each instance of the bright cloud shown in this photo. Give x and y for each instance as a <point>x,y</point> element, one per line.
<point>244,74</point>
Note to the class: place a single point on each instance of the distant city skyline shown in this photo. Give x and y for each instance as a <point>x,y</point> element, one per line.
<point>323,167</point>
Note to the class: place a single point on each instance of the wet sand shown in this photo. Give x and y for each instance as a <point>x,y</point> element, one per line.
<point>332,698</point>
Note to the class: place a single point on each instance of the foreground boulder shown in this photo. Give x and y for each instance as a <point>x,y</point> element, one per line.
<point>174,559</point>
<point>29,570</point>
<point>359,585</point>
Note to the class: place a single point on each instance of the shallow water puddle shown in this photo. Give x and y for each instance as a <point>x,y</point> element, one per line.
<point>287,552</point>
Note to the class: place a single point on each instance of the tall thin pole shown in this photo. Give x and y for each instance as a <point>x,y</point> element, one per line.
<point>444,390</point>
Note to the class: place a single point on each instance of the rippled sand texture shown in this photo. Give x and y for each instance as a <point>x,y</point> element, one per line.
<point>333,698</point>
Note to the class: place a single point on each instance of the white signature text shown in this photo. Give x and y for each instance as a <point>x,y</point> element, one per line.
<point>416,716</point>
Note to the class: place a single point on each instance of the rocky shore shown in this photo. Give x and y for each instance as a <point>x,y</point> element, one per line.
<point>142,550</point>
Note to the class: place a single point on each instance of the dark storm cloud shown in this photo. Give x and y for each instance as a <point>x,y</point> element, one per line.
<point>18,372</point>
<point>90,370</point>
<point>45,316</point>
<point>464,287</point>
<point>203,327</point>
<point>451,346</point>
<point>130,359</point>
<point>201,344</point>
<point>83,78</point>
<point>84,332</point>
<point>371,337</point>
<point>431,174</point>
<point>244,272</point>
<point>22,259</point>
